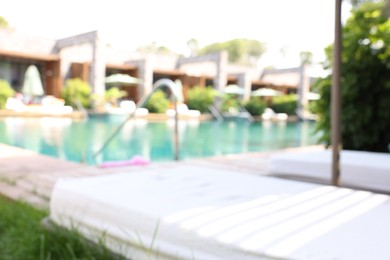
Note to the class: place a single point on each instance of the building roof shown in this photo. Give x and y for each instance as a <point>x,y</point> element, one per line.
<point>30,56</point>
<point>282,77</point>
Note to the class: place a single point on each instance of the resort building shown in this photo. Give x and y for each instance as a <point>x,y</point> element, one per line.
<point>88,57</point>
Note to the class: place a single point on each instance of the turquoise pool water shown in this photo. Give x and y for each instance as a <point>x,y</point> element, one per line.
<point>79,140</point>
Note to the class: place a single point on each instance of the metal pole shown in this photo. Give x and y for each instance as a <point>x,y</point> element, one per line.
<point>157,85</point>
<point>336,97</point>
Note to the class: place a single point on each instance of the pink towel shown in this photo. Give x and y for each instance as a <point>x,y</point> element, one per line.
<point>135,160</point>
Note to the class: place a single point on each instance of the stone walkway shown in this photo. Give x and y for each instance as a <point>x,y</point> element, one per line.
<point>30,177</point>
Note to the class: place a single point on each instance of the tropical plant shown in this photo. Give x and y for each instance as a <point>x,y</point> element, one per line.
<point>255,106</point>
<point>365,82</point>
<point>6,92</point>
<point>285,104</point>
<point>312,106</point>
<point>230,103</point>
<point>158,102</point>
<point>113,94</point>
<point>200,98</point>
<point>76,90</point>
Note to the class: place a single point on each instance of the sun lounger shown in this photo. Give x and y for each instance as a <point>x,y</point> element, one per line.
<point>15,104</point>
<point>359,169</point>
<point>269,114</point>
<point>182,110</point>
<point>194,212</point>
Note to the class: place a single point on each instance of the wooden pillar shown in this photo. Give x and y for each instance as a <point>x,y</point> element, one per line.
<point>336,97</point>
<point>202,82</point>
<point>80,70</point>
<point>53,78</point>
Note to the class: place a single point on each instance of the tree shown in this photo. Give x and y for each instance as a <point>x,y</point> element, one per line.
<point>240,50</point>
<point>365,82</point>
<point>3,22</point>
<point>193,46</point>
<point>154,48</point>
<point>306,57</point>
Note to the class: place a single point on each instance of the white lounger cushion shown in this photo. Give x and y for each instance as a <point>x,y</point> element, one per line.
<point>358,169</point>
<point>201,213</point>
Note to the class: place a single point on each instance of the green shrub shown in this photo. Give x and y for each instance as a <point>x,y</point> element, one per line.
<point>157,103</point>
<point>113,94</point>
<point>255,106</point>
<point>312,107</point>
<point>285,104</point>
<point>200,98</point>
<point>6,91</point>
<point>76,90</point>
<point>365,82</point>
<point>230,102</point>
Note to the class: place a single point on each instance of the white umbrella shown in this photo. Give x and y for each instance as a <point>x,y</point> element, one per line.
<point>122,79</point>
<point>233,89</point>
<point>32,84</point>
<point>266,92</point>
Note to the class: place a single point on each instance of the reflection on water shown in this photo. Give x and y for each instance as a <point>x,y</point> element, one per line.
<point>79,140</point>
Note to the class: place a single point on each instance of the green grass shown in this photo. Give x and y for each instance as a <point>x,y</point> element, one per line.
<point>23,237</point>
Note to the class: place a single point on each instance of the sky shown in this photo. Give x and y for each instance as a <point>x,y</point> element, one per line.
<point>287,27</point>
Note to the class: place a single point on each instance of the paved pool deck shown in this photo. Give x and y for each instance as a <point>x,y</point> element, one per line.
<point>30,177</point>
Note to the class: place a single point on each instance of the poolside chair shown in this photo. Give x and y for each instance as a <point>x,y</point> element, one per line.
<point>359,169</point>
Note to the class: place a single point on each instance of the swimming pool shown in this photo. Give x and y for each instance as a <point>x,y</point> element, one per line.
<point>79,140</point>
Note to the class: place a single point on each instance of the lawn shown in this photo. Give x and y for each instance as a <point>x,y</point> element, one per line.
<point>22,236</point>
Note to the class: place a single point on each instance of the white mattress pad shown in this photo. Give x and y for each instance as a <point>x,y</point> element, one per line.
<point>194,212</point>
<point>366,170</point>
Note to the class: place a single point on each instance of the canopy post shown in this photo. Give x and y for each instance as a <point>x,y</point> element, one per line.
<point>336,97</point>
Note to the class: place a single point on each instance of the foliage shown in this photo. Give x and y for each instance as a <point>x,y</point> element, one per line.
<point>23,237</point>
<point>312,106</point>
<point>230,102</point>
<point>193,46</point>
<point>285,104</point>
<point>255,106</point>
<point>357,3</point>
<point>157,103</point>
<point>3,22</point>
<point>239,50</point>
<point>76,90</point>
<point>365,82</point>
<point>6,91</point>
<point>306,57</point>
<point>113,94</point>
<point>200,98</point>
<point>154,48</point>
